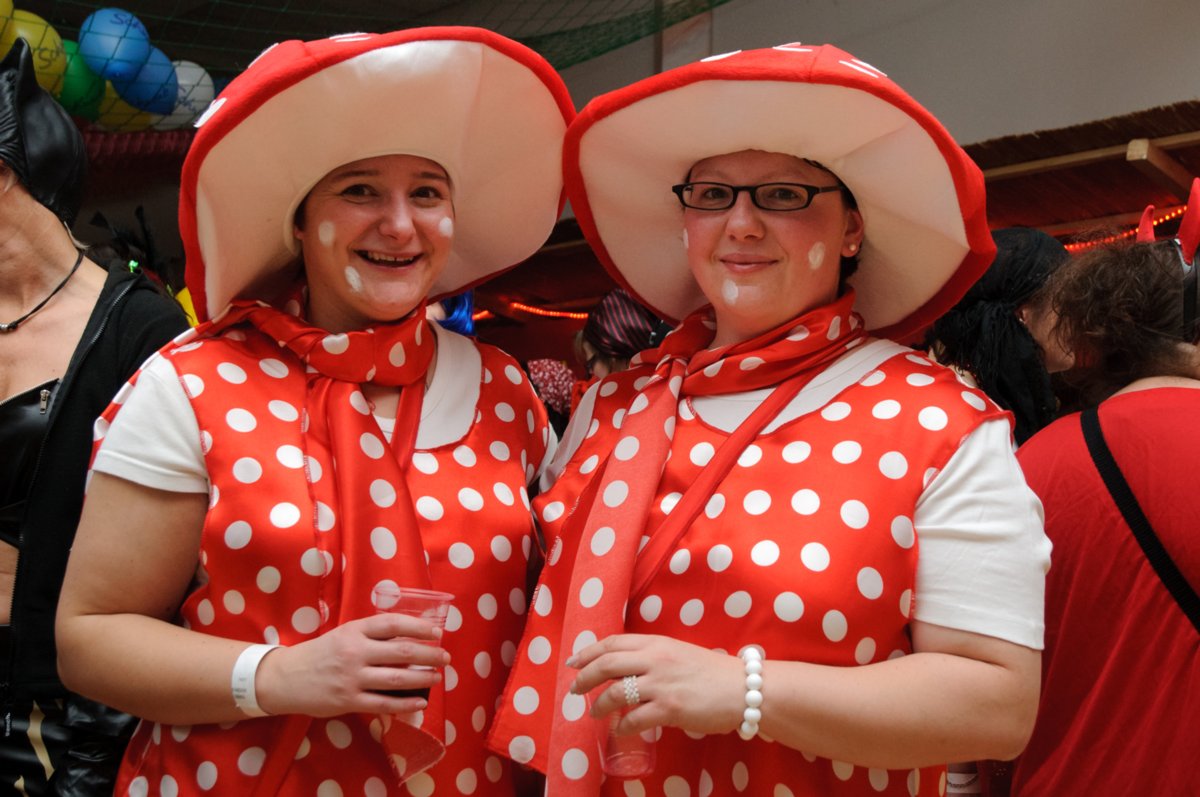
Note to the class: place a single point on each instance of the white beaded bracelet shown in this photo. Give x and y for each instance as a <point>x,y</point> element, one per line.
<point>752,657</point>
<point>242,680</point>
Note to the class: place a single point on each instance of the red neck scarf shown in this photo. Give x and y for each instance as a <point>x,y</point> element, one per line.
<point>591,584</point>
<point>339,424</point>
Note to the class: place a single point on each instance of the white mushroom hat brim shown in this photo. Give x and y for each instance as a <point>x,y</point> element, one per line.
<point>922,198</point>
<point>491,111</point>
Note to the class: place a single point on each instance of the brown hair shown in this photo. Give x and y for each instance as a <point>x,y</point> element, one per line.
<point>1120,310</point>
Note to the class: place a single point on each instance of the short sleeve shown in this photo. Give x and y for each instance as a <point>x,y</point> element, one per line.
<point>154,440</point>
<point>984,552</point>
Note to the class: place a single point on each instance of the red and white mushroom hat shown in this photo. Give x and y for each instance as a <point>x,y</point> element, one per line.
<point>491,111</point>
<point>921,197</point>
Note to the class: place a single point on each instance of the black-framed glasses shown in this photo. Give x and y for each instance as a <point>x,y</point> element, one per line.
<point>767,196</point>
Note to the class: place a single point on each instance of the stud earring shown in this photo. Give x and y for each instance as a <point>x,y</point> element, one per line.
<point>853,248</point>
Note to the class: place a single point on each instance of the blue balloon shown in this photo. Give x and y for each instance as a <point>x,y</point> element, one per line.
<point>154,87</point>
<point>114,44</point>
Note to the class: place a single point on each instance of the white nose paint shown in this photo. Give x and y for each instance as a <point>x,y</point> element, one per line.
<point>353,279</point>
<point>325,233</point>
<point>446,227</point>
<point>816,255</point>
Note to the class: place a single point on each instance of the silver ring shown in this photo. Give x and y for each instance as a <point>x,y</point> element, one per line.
<point>632,698</point>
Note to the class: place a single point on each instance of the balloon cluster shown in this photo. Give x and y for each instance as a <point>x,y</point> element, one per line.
<point>113,75</point>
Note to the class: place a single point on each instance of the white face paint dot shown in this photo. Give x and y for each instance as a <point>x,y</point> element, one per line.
<point>816,255</point>
<point>446,227</point>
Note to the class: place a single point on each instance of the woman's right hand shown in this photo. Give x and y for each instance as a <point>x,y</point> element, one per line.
<point>347,669</point>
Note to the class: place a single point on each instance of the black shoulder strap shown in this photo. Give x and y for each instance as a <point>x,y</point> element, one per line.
<point>1174,581</point>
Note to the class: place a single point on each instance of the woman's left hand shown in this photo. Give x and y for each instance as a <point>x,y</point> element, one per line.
<point>679,684</point>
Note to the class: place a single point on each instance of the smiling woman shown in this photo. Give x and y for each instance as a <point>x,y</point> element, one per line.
<point>318,438</point>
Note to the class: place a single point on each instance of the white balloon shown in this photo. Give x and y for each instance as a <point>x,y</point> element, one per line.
<point>193,96</point>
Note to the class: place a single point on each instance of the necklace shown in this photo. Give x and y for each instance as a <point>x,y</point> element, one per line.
<point>12,325</point>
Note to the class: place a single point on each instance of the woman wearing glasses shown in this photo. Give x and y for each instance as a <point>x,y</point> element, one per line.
<point>798,553</point>
<point>319,438</point>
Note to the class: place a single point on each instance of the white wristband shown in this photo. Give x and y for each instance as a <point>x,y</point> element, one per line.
<point>242,680</point>
<point>752,658</point>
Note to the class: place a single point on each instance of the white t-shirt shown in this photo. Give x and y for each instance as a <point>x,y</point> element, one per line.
<point>155,439</point>
<point>983,552</point>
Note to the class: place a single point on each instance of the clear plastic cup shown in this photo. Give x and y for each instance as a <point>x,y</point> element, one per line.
<point>426,604</point>
<point>626,755</point>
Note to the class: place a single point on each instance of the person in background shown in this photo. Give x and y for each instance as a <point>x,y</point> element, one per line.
<point>999,332</point>
<point>317,437</point>
<point>70,335</point>
<point>796,552</point>
<point>616,329</point>
<point>1120,693</point>
<point>554,382</point>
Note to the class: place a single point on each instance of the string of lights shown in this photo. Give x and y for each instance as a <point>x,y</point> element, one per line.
<point>1085,245</point>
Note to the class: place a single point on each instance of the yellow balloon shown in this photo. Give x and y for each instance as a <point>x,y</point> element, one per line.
<point>6,12</point>
<point>119,116</point>
<point>49,58</point>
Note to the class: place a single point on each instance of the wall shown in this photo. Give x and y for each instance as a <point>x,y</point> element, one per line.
<point>985,68</point>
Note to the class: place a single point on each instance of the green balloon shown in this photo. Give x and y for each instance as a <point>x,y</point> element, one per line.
<point>82,89</point>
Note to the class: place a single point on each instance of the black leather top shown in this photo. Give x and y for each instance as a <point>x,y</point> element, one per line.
<point>23,421</point>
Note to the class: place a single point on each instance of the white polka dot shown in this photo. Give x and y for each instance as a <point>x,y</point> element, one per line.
<point>893,465</point>
<point>676,785</point>
<point>429,508</point>
<point>870,583</point>
<point>919,380</point>
<point>864,651</point>
<point>650,608</point>
<point>914,782</point>
<point>383,542</point>
<point>903,532</point>
<point>843,770</point>
<point>737,605</point>
<point>720,557</point>
<point>764,553</point>
<point>846,452</point>
<point>336,344</point>
<point>906,602</point>
<point>375,787</point>
<point>505,412</point>
<point>290,457</point>
<point>273,368</point>
<point>669,501</point>
<point>306,619</point>
<point>231,373</point>
<point>878,778</point>
<point>589,464</point>
<point>603,540</point>
<point>268,579</point>
<point>750,456</point>
<point>205,612</point>
<point>796,452</point>
<point>250,762</point>
<point>933,418</point>
<point>464,456</point>
<point>626,449</point>
<point>240,420</point>
<point>701,453</point>
<point>461,555</point>
<point>192,384</point>
<point>886,409</point>
<point>206,775</point>
<point>715,505</point>
<point>974,400</point>
<point>691,612</point>
<point>543,602</point>
<point>247,470</point>
<point>504,493</point>
<point>615,493</point>
<point>285,515</point>
<point>591,592</point>
<point>815,556</point>
<point>234,602</point>
<point>854,514</point>
<point>237,534</point>
<point>168,787</point>
<point>419,785</point>
<point>788,607</point>
<point>282,410</point>
<point>574,763</point>
<point>382,493</point>
<point>470,499</point>
<point>680,561</point>
<point>526,700</point>
<point>756,502</point>
<point>806,502</point>
<point>837,411</point>
<point>872,379</point>
<point>521,749</point>
<point>338,733</point>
